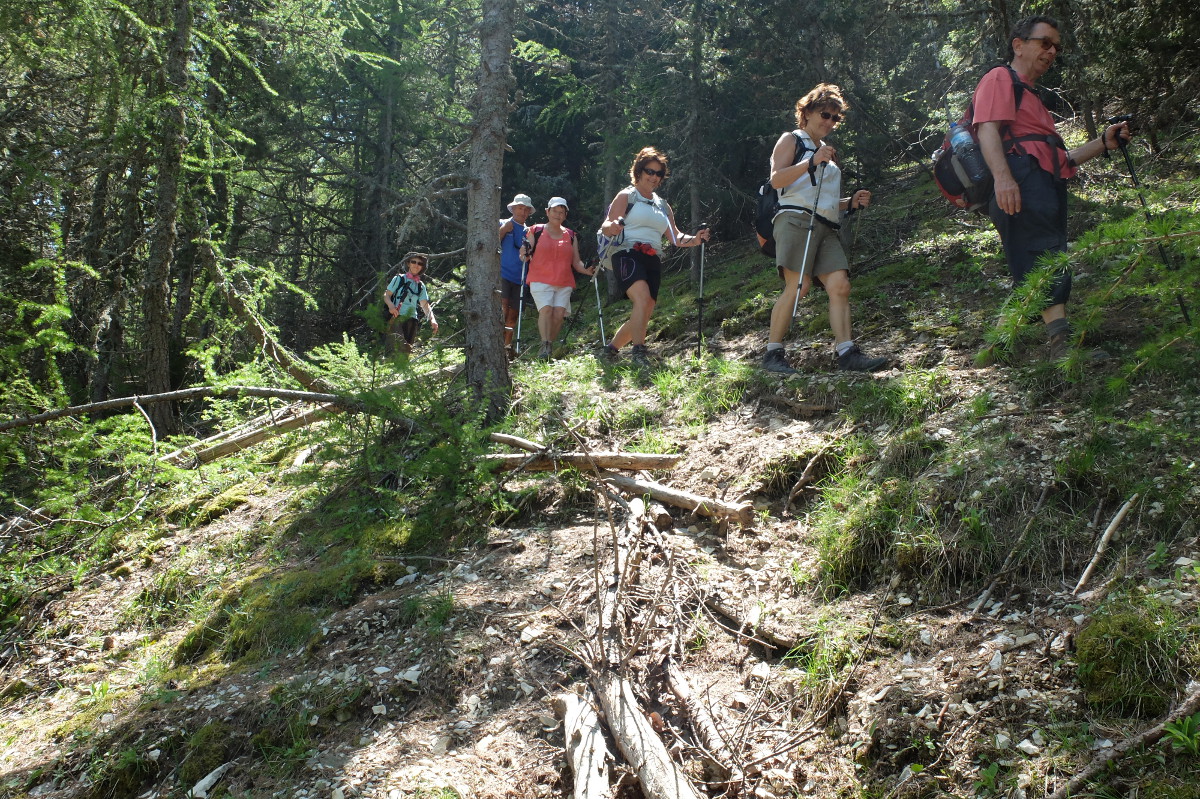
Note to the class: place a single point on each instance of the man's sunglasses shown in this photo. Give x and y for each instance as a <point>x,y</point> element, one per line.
<point>835,117</point>
<point>658,173</point>
<point>1046,43</point>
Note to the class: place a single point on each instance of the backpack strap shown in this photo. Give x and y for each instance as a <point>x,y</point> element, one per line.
<point>801,149</point>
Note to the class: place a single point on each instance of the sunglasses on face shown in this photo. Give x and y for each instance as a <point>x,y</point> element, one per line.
<point>835,117</point>
<point>1046,43</point>
<point>415,262</point>
<point>658,173</point>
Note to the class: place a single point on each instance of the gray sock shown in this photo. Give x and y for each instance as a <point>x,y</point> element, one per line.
<point>1057,326</point>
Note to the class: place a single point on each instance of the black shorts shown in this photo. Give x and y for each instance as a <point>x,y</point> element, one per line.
<point>630,266</point>
<point>407,328</point>
<point>1040,227</point>
<point>511,292</point>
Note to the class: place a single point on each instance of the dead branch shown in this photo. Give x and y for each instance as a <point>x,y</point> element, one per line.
<point>762,633</point>
<point>345,403</point>
<point>584,460</point>
<point>291,364</point>
<point>658,775</point>
<point>795,406</point>
<point>1147,738</point>
<point>741,512</point>
<point>1012,553</point>
<point>1103,545</point>
<point>703,724</point>
<point>517,441</point>
<point>298,417</point>
<point>586,751</point>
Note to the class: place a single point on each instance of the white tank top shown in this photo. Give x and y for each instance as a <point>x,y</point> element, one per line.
<point>645,220</point>
<point>801,192</point>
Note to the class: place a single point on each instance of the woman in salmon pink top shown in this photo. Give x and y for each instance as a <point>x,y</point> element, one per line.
<point>553,254</point>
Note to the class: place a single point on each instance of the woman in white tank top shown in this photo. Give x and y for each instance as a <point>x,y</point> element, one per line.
<point>646,219</point>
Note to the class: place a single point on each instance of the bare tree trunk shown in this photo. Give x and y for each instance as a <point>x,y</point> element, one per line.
<point>157,300</point>
<point>487,366</point>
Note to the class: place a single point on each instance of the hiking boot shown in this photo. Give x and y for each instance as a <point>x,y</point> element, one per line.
<point>610,353</point>
<point>544,353</point>
<point>640,354</point>
<point>1060,346</point>
<point>776,361</point>
<point>855,360</point>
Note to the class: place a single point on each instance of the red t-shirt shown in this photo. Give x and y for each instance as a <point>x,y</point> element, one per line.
<point>552,258</point>
<point>994,102</point>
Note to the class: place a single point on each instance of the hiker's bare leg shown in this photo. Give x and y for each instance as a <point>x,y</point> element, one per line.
<point>634,329</point>
<point>546,322</point>
<point>556,322</point>
<point>781,314</point>
<point>510,321</point>
<point>1054,312</point>
<point>837,286</point>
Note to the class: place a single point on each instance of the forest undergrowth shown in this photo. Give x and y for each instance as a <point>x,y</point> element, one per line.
<point>365,607</point>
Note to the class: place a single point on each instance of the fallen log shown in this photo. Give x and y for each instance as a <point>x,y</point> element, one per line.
<point>584,460</point>
<point>190,457</point>
<point>742,512</point>
<point>587,753</point>
<point>658,775</point>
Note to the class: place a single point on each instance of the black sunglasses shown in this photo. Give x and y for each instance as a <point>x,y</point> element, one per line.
<point>834,117</point>
<point>658,173</point>
<point>1046,43</point>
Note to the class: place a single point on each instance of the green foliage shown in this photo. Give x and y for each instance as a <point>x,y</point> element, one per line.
<point>1131,653</point>
<point>1184,734</point>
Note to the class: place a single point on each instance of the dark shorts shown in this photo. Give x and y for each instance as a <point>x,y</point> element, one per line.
<point>1040,227</point>
<point>407,328</point>
<point>510,292</point>
<point>630,266</point>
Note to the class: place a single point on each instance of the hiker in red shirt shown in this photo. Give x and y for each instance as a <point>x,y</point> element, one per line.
<point>1030,165</point>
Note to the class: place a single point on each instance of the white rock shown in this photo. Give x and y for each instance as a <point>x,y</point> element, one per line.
<point>531,633</point>
<point>413,675</point>
<point>1023,693</point>
<point>996,662</point>
<point>1184,561</point>
<point>381,670</point>
<point>1028,747</point>
<point>761,670</point>
<point>338,793</point>
<point>1003,741</point>
<point>491,631</point>
<point>904,600</point>
<point>926,637</point>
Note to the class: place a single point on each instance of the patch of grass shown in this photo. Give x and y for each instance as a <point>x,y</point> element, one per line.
<point>1132,653</point>
<point>906,400</point>
<point>206,749</point>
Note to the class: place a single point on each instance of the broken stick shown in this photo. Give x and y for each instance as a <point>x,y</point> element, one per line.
<point>742,512</point>
<point>1103,545</point>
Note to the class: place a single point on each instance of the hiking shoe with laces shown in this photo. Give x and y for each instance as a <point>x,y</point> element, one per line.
<point>641,354</point>
<point>544,353</point>
<point>776,361</point>
<point>1060,346</point>
<point>855,360</point>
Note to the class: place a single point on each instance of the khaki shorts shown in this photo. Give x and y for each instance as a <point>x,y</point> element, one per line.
<point>825,249</point>
<point>554,296</point>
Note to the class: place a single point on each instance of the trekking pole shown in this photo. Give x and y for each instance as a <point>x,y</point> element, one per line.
<point>1162,253</point>
<point>812,219</point>
<point>520,310</point>
<point>700,301</point>
<point>599,309</point>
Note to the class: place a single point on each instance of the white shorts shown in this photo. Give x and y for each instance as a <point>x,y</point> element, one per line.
<point>555,296</point>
